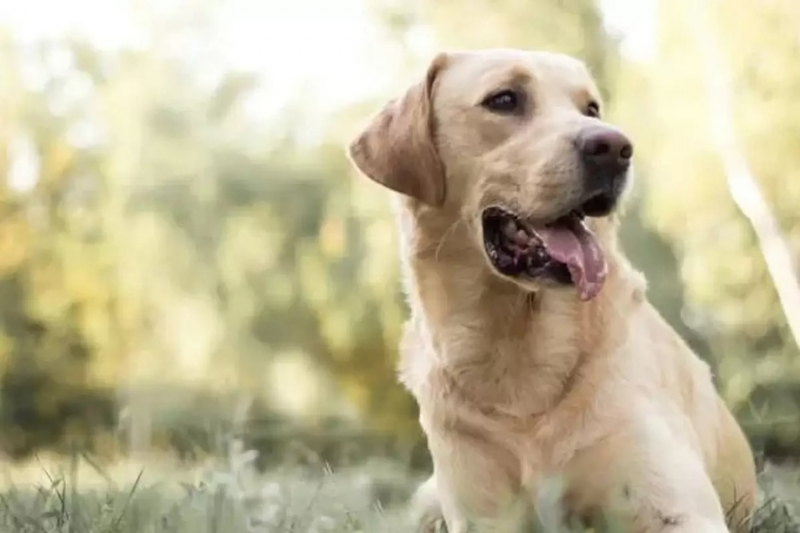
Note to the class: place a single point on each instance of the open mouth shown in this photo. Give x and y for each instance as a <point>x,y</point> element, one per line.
<point>564,250</point>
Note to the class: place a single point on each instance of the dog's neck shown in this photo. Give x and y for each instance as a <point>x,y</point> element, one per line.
<point>480,330</point>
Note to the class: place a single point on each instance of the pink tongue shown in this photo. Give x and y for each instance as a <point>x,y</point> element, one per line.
<point>575,246</point>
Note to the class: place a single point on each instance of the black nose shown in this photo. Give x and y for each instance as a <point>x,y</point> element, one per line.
<point>605,150</point>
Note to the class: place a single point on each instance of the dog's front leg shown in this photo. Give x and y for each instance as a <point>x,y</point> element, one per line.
<point>660,484</point>
<point>477,484</point>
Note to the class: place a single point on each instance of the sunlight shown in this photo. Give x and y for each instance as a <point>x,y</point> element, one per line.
<point>636,22</point>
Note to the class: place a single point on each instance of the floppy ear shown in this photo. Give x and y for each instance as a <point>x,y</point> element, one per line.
<point>396,148</point>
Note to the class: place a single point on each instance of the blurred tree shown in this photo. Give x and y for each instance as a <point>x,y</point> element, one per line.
<point>731,296</point>
<point>157,237</point>
<point>743,187</point>
<point>59,305</point>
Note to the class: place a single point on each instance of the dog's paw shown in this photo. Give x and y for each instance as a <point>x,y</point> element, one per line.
<point>428,522</point>
<point>434,526</point>
<point>426,510</point>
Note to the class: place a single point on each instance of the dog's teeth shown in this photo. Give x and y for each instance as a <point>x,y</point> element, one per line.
<point>510,230</point>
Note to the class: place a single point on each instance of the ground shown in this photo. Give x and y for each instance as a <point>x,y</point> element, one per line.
<point>231,497</point>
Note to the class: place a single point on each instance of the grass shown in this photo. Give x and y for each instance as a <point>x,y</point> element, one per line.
<point>218,497</point>
<point>283,503</point>
<point>231,497</point>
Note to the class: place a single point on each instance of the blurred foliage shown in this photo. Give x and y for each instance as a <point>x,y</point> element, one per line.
<point>731,299</point>
<point>163,249</point>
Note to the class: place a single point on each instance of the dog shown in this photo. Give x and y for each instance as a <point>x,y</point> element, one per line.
<point>531,348</point>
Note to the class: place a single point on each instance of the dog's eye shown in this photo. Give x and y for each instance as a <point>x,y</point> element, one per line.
<point>592,110</point>
<point>506,101</point>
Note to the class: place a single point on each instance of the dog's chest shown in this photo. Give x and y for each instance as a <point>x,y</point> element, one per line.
<point>556,489</point>
<point>520,375</point>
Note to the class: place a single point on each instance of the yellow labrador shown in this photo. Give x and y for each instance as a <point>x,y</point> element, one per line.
<point>531,349</point>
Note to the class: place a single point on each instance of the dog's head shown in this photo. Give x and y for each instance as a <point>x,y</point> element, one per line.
<point>512,142</point>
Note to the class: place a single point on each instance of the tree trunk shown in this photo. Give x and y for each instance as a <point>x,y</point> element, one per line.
<point>742,185</point>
